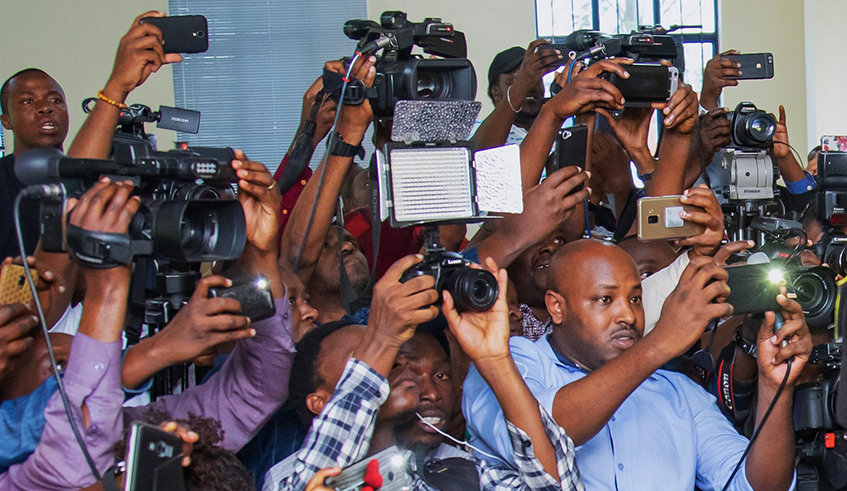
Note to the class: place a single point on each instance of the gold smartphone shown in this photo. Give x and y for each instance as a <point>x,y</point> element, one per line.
<point>658,219</point>
<point>13,285</point>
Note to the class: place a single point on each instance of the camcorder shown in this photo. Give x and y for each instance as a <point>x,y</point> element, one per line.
<point>187,211</point>
<point>821,442</point>
<point>400,75</point>
<point>755,284</point>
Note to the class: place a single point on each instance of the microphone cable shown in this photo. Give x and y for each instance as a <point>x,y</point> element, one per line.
<point>55,191</point>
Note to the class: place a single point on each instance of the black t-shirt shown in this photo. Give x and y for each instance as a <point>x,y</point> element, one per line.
<point>10,186</point>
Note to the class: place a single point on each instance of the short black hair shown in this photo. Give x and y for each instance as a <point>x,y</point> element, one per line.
<point>4,90</point>
<point>305,377</point>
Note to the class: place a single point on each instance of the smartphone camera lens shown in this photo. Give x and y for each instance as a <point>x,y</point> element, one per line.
<point>652,219</point>
<point>200,34</point>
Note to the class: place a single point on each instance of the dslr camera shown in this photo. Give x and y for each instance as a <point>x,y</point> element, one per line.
<point>187,211</point>
<point>400,75</point>
<point>749,172</point>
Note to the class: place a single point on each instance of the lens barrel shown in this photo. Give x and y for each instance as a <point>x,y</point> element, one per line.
<point>471,289</point>
<point>198,230</point>
<point>816,291</point>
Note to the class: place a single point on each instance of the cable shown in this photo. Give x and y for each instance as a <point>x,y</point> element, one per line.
<point>762,424</point>
<point>59,384</point>
<point>796,153</point>
<point>324,163</point>
<point>455,440</point>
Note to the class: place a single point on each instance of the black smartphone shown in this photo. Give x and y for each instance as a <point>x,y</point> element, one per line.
<point>563,49</point>
<point>253,294</point>
<point>153,460</point>
<point>182,33</point>
<point>754,287</point>
<point>571,149</point>
<point>647,83</point>
<point>754,66</point>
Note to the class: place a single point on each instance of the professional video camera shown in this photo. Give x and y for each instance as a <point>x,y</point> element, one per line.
<point>821,441</point>
<point>782,241</point>
<point>647,44</point>
<point>185,215</point>
<point>400,75</point>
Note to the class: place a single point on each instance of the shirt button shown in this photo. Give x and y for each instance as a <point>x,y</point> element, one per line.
<point>620,466</point>
<point>613,418</point>
<point>99,367</point>
<point>303,182</point>
<point>285,212</point>
<point>285,316</point>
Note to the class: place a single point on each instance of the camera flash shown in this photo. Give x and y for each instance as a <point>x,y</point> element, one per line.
<point>775,276</point>
<point>262,284</point>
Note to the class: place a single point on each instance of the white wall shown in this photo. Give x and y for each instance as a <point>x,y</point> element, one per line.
<point>75,42</point>
<point>826,70</point>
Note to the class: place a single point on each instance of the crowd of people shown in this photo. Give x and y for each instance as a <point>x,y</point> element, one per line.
<point>579,377</point>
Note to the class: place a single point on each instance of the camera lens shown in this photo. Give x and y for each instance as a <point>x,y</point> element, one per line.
<point>196,230</point>
<point>431,85</point>
<point>471,289</point>
<point>761,128</point>
<point>836,257</point>
<point>816,291</point>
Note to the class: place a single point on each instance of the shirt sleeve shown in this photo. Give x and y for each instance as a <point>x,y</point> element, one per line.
<point>719,446</point>
<point>341,434</point>
<point>658,287</point>
<point>530,474</point>
<point>803,185</point>
<point>92,378</point>
<point>252,384</point>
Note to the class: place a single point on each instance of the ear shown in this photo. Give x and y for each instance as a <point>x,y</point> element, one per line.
<point>495,94</point>
<point>316,401</point>
<point>4,119</point>
<point>556,306</point>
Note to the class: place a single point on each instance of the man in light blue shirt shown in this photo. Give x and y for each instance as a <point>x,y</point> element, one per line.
<point>635,426</point>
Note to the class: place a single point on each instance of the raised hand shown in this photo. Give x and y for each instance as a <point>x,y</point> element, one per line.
<point>681,110</point>
<point>707,243</point>
<point>139,54</point>
<point>260,201</point>
<point>716,76</point>
<point>587,91</point>
<point>17,323</point>
<point>536,63</point>
<point>715,132</point>
<point>771,355</point>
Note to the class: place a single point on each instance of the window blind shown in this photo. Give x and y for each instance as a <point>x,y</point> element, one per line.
<point>262,57</point>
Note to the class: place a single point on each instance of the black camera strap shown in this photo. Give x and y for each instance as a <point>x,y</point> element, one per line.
<point>104,250</point>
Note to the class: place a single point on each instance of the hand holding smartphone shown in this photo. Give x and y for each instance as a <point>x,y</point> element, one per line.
<point>754,66</point>
<point>13,284</point>
<point>182,34</point>
<point>659,219</point>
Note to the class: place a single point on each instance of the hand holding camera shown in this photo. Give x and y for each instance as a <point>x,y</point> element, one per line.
<point>355,119</point>
<point>536,63</point>
<point>681,111</point>
<point>484,336</point>
<point>694,303</point>
<point>715,132</point>
<point>771,354</point>
<point>587,90</point>
<point>260,202</point>
<point>139,54</point>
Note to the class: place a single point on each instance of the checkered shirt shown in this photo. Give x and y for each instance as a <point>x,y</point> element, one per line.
<point>340,436</point>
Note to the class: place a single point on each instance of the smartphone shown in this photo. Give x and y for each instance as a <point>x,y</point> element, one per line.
<point>658,219</point>
<point>393,467</point>
<point>13,284</point>
<point>754,287</point>
<point>571,149</point>
<point>647,83</point>
<point>153,460</point>
<point>182,33</point>
<point>253,294</point>
<point>754,66</point>
<point>563,49</point>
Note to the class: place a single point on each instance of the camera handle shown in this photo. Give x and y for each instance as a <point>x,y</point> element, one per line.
<point>739,215</point>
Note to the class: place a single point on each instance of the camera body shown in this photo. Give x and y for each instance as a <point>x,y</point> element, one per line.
<point>401,75</point>
<point>751,127</point>
<point>832,197</point>
<point>749,172</point>
<point>471,289</point>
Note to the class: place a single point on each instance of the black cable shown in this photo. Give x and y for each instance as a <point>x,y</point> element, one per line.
<point>796,153</point>
<point>324,162</point>
<point>59,384</point>
<point>761,425</point>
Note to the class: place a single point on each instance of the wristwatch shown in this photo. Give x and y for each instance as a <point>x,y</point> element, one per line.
<point>340,148</point>
<point>746,346</point>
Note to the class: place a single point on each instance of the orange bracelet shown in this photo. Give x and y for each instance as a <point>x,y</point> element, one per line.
<point>119,105</point>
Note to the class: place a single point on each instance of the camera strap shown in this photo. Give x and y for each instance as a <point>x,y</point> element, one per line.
<point>104,250</point>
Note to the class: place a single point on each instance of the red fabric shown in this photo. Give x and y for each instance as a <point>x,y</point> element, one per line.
<point>373,479</point>
<point>290,197</point>
<point>394,242</point>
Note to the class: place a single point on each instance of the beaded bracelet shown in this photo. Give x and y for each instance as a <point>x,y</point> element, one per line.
<point>119,105</point>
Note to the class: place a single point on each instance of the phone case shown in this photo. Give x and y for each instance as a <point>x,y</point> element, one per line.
<point>571,149</point>
<point>751,289</point>
<point>13,285</point>
<point>154,460</point>
<point>658,219</point>
<point>647,83</point>
<point>754,66</point>
<point>183,33</point>
<point>253,295</point>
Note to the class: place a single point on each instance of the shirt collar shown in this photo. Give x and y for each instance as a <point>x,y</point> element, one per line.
<point>557,357</point>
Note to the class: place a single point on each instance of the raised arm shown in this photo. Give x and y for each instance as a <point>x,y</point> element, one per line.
<point>352,125</point>
<point>139,54</point>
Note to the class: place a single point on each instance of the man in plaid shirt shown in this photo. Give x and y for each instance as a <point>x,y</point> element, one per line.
<point>394,375</point>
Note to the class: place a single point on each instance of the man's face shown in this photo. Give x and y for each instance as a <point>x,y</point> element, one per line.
<point>595,303</point>
<point>329,264</point>
<point>38,115</point>
<point>529,270</point>
<point>534,98</point>
<point>303,315</point>
<point>420,383</point>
